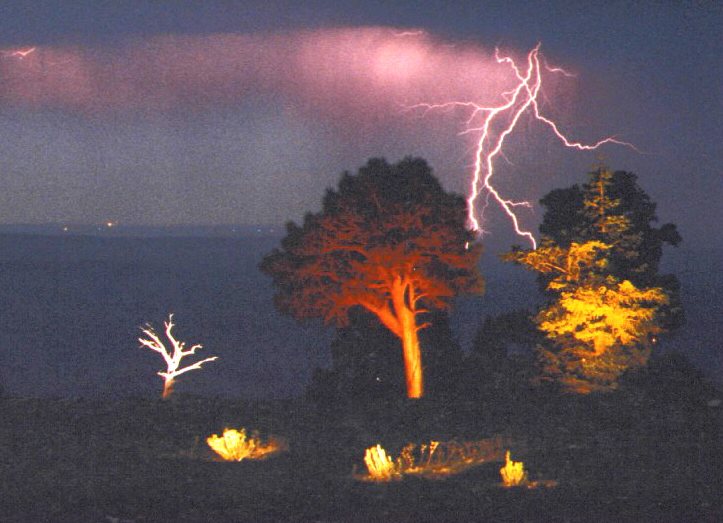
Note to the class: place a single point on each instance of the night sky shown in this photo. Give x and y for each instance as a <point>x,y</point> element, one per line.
<point>162,113</point>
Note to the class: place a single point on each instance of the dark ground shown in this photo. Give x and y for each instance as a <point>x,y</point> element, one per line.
<point>637,455</point>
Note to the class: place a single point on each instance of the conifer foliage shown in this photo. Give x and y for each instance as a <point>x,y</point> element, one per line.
<point>389,240</point>
<point>612,208</point>
<point>604,307</point>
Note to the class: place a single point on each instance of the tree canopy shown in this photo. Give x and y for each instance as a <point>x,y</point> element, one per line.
<point>389,240</point>
<point>613,209</point>
<point>606,296</point>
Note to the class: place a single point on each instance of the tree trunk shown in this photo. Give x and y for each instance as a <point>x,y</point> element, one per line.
<point>412,355</point>
<point>167,388</point>
<point>406,317</point>
<point>600,345</point>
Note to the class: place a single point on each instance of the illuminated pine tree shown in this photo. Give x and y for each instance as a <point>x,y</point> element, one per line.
<point>600,317</point>
<point>597,317</point>
<point>612,208</point>
<point>562,267</point>
<point>390,241</point>
<point>601,331</point>
<point>601,208</point>
<point>599,326</point>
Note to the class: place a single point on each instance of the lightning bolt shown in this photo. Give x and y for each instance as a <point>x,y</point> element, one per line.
<point>20,53</point>
<point>417,32</point>
<point>494,124</point>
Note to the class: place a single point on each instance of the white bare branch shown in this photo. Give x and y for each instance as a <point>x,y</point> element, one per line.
<point>194,366</point>
<point>172,358</point>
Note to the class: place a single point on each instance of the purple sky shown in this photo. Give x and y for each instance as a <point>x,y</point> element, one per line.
<point>210,112</point>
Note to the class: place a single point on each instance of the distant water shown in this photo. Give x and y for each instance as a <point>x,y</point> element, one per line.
<point>71,307</point>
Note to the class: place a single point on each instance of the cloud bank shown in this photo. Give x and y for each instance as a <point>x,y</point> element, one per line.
<point>234,128</point>
<point>342,73</point>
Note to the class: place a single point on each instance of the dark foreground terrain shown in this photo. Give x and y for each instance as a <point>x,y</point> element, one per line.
<point>643,454</point>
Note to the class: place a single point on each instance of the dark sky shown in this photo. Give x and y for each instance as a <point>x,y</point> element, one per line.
<point>244,112</point>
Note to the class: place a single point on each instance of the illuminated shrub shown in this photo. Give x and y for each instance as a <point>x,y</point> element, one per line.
<point>513,473</point>
<point>380,466</point>
<point>433,460</point>
<point>236,445</point>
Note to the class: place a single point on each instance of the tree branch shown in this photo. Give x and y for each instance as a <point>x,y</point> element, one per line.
<point>173,360</point>
<point>194,366</point>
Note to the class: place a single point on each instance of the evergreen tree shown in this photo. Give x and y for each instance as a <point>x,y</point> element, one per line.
<point>612,208</point>
<point>604,306</point>
<point>390,240</point>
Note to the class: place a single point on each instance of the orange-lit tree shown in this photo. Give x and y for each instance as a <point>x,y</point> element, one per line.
<point>389,240</point>
<point>599,321</point>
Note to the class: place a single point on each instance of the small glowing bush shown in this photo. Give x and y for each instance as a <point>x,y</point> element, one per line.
<point>236,445</point>
<point>434,460</point>
<point>513,473</point>
<point>380,466</point>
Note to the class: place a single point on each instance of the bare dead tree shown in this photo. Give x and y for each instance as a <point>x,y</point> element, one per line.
<point>172,358</point>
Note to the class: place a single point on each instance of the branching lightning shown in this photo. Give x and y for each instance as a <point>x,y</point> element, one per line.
<point>494,124</point>
<point>394,65</point>
<point>20,53</point>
